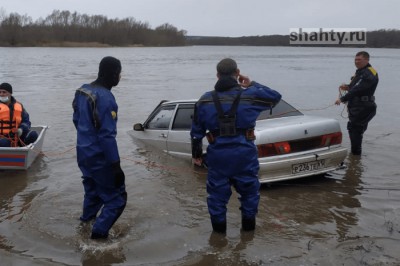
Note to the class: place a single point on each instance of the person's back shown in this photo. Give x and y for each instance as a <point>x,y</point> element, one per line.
<point>252,101</point>
<point>227,117</point>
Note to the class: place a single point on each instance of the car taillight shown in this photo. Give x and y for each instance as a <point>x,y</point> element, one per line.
<point>279,148</point>
<point>331,139</point>
<point>272,149</point>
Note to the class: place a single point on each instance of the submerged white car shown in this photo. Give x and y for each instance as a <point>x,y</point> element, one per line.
<point>290,144</point>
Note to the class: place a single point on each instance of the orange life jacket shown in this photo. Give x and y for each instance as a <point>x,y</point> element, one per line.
<point>7,123</point>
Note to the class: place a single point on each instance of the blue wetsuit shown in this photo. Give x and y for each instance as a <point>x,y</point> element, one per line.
<point>95,118</point>
<point>231,160</point>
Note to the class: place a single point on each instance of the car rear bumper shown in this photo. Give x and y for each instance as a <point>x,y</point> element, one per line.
<point>279,168</point>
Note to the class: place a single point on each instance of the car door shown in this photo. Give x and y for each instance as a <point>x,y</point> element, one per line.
<point>178,142</point>
<point>157,127</point>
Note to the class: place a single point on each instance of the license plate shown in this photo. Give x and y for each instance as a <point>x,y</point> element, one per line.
<point>308,166</point>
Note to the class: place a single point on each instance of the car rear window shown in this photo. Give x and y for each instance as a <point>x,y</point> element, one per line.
<point>282,109</point>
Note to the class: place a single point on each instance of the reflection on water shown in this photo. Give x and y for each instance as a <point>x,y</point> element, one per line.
<point>12,182</point>
<point>345,213</point>
<point>332,199</point>
<point>352,213</point>
<point>225,253</point>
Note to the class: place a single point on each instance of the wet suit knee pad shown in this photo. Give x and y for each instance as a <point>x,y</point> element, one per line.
<point>5,142</point>
<point>31,137</point>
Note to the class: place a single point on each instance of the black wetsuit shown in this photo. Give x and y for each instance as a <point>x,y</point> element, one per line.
<point>361,104</point>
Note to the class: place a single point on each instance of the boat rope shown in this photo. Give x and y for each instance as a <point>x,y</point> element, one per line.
<point>68,149</point>
<point>160,166</point>
<point>50,154</point>
<point>15,141</point>
<point>341,94</point>
<point>316,109</point>
<point>192,169</point>
<point>308,110</point>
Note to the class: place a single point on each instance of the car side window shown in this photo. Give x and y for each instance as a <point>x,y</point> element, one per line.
<point>183,117</point>
<point>162,118</point>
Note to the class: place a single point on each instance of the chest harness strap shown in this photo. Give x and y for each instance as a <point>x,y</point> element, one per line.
<point>227,122</point>
<point>92,100</point>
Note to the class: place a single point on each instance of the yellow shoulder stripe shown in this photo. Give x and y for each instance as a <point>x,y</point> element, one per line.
<point>113,114</point>
<point>373,71</point>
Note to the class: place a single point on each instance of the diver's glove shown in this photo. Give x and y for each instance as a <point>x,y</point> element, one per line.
<point>119,176</point>
<point>16,131</point>
<point>19,132</point>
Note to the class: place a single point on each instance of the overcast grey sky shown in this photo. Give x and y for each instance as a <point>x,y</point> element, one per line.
<point>228,17</point>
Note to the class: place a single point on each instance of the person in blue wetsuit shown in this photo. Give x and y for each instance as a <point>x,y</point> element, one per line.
<point>95,119</point>
<point>227,116</point>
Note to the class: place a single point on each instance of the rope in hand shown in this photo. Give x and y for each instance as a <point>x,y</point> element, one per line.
<point>14,139</point>
<point>343,92</point>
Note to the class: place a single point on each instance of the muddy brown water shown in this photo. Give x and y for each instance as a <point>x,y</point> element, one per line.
<point>348,217</point>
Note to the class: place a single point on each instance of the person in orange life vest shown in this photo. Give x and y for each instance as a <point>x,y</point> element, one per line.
<point>14,120</point>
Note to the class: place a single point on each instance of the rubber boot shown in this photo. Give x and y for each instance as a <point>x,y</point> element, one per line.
<point>98,236</point>
<point>356,141</point>
<point>219,227</point>
<point>248,224</point>
<point>217,240</point>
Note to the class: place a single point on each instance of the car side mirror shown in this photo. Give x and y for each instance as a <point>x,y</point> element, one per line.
<point>138,127</point>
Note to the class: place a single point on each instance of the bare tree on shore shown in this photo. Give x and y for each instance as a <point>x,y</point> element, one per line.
<point>61,27</point>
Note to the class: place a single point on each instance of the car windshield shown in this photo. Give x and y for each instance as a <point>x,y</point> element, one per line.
<point>161,118</point>
<point>282,109</point>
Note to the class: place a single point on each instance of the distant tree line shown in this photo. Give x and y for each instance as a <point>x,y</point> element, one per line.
<point>63,28</point>
<point>269,40</point>
<point>375,39</point>
<point>384,38</point>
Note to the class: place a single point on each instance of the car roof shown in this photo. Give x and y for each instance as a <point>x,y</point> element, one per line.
<point>179,101</point>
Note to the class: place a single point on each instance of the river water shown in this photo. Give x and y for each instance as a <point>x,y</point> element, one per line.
<point>349,217</point>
